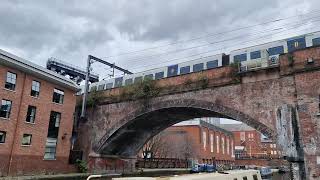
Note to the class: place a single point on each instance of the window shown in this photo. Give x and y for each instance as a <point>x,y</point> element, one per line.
<point>218,145</point>
<point>128,81</point>
<point>11,81</point>
<point>172,70</point>
<point>26,139</point>
<point>223,145</point>
<point>212,64</point>
<point>35,89</point>
<point>5,108</point>
<point>118,82</point>
<point>197,67</point>
<point>58,96</point>
<point>50,149</point>
<point>255,55</point>
<point>149,76</point>
<point>211,143</point>
<point>185,70</point>
<point>255,177</point>
<point>2,136</point>
<point>159,75</point>
<point>275,50</point>
<point>242,136</point>
<point>239,58</point>
<point>316,41</point>
<point>100,87</point>
<point>298,43</point>
<point>204,139</point>
<point>31,114</point>
<point>228,146</point>
<point>245,178</point>
<point>54,124</point>
<point>138,79</point>
<point>109,86</point>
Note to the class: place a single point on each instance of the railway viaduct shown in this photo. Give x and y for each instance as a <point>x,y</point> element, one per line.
<point>280,101</point>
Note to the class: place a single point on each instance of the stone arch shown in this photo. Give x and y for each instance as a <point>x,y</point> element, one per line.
<point>136,128</point>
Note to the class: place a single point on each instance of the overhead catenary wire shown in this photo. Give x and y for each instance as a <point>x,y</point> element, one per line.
<point>213,34</point>
<point>211,43</point>
<point>206,52</point>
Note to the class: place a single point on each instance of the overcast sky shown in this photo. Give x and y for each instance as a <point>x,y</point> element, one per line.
<point>70,30</point>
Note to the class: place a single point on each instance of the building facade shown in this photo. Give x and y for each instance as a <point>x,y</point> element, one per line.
<point>198,140</point>
<point>36,118</point>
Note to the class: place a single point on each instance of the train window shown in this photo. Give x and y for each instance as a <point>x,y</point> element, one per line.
<point>212,64</point>
<point>240,58</point>
<point>118,82</point>
<point>245,178</point>
<point>109,86</point>
<point>255,177</point>
<point>275,50</point>
<point>159,75</point>
<point>316,41</point>
<point>185,70</point>
<point>255,55</point>
<point>138,79</point>
<point>295,44</point>
<point>197,67</point>
<point>128,81</point>
<point>172,70</point>
<point>149,76</point>
<point>100,87</point>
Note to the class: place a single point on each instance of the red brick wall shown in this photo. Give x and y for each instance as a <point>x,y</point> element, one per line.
<point>29,159</point>
<point>196,134</point>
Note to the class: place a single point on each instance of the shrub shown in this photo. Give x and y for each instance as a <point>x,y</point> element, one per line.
<point>81,165</point>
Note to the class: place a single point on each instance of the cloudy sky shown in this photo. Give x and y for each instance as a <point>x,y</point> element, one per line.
<point>144,34</point>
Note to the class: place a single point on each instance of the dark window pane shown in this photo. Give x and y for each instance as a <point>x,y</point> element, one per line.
<point>172,70</point>
<point>275,50</point>
<point>197,67</point>
<point>138,79</point>
<point>11,81</point>
<point>316,41</point>
<point>212,64</point>
<point>58,96</point>
<point>26,139</point>
<point>101,87</point>
<point>296,44</point>
<point>31,114</point>
<point>185,70</point>
<point>109,86</point>
<point>255,55</point>
<point>35,88</point>
<point>54,124</point>
<point>159,75</point>
<point>149,76</point>
<point>2,136</point>
<point>128,81</point>
<point>5,108</point>
<point>225,60</point>
<point>239,58</point>
<point>118,82</point>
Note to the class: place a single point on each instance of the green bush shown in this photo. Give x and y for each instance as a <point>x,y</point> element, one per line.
<point>81,165</point>
<point>141,90</point>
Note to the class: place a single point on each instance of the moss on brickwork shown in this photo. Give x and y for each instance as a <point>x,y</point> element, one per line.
<point>142,90</point>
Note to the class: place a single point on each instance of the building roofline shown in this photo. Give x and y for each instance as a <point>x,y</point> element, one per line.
<point>26,66</point>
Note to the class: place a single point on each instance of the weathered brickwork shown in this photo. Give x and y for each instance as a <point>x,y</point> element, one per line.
<point>281,102</point>
<point>30,159</point>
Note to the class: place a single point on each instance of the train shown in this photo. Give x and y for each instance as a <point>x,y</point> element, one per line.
<point>250,58</point>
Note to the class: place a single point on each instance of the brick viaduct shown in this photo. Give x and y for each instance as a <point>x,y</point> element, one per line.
<point>282,102</point>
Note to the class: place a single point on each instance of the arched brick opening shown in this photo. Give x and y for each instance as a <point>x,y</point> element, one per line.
<point>135,129</point>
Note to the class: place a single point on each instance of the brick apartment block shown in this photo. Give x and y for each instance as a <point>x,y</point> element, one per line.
<point>20,153</point>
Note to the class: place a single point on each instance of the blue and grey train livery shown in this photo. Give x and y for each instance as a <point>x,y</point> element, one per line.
<point>255,57</point>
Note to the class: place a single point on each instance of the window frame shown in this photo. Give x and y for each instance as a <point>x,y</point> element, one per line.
<point>61,96</point>
<point>54,127</point>
<point>3,137</point>
<point>30,116</point>
<point>8,112</point>
<point>7,83</point>
<point>37,92</point>
<point>24,136</point>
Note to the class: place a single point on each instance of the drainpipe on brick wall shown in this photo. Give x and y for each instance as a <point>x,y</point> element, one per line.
<point>17,122</point>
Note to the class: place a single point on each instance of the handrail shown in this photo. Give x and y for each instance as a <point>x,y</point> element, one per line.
<point>101,176</point>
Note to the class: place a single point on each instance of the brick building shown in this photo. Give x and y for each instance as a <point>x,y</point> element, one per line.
<point>36,118</point>
<point>200,141</point>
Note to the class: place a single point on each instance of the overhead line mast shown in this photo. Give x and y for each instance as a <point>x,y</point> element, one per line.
<point>90,60</point>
